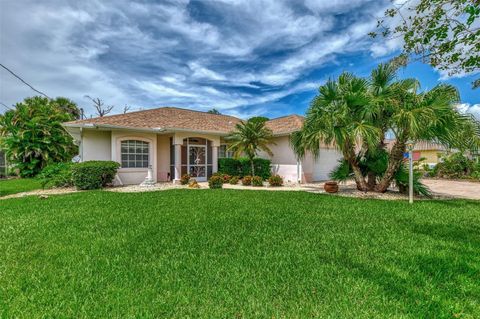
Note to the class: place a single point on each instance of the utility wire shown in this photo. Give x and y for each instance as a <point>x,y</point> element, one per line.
<point>8,107</point>
<point>11,72</point>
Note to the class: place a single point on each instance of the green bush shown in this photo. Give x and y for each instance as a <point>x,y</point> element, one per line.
<point>94,174</point>
<point>257,181</point>
<point>229,166</point>
<point>455,165</point>
<point>234,180</point>
<point>216,181</point>
<point>247,180</point>
<point>241,167</point>
<point>56,175</point>
<point>185,179</point>
<point>275,180</point>
<point>402,180</point>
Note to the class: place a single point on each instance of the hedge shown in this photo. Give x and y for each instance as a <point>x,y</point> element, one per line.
<point>94,174</point>
<point>241,167</point>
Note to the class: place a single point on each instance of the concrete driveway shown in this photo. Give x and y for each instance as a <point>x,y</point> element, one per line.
<point>459,189</point>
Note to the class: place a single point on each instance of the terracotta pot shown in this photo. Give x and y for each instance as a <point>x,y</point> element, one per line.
<point>331,187</point>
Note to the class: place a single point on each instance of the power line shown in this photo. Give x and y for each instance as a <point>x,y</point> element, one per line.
<point>8,107</point>
<point>18,77</point>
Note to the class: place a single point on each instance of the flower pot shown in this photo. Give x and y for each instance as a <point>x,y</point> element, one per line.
<point>331,187</point>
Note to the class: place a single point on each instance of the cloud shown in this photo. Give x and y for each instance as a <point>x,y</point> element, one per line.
<point>470,108</point>
<point>235,55</point>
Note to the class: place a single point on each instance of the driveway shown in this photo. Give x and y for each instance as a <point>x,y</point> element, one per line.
<point>458,189</point>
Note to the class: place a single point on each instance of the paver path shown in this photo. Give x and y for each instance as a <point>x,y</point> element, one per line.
<point>458,189</point>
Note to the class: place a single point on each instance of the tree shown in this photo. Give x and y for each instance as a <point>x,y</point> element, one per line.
<point>33,136</point>
<point>443,33</point>
<point>248,138</point>
<point>126,109</point>
<point>68,106</point>
<point>100,106</point>
<point>429,115</point>
<point>214,111</point>
<point>337,117</point>
<point>261,119</point>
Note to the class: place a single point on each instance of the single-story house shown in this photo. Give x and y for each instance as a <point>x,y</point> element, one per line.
<point>430,152</point>
<point>174,141</point>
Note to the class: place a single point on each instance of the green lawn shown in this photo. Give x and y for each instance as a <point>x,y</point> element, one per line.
<point>18,185</point>
<point>237,254</point>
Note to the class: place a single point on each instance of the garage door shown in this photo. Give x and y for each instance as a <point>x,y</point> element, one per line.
<point>325,163</point>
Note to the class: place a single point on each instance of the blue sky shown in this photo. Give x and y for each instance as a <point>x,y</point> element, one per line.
<point>241,57</point>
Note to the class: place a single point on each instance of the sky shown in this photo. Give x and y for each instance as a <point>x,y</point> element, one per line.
<point>243,58</point>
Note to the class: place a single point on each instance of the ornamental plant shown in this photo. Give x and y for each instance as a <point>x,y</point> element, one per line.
<point>247,180</point>
<point>185,179</point>
<point>234,180</point>
<point>215,182</point>
<point>257,181</point>
<point>275,180</point>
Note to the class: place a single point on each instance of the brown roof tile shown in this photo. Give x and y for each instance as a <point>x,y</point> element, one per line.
<point>285,124</point>
<point>172,118</point>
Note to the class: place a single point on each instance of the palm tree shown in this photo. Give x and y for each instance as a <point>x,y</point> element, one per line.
<point>429,115</point>
<point>250,137</point>
<point>337,117</point>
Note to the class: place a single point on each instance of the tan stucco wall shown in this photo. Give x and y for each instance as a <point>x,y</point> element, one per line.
<point>431,156</point>
<point>134,175</point>
<point>163,157</point>
<point>96,145</point>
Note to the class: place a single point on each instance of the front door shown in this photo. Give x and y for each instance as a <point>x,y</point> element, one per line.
<point>197,162</point>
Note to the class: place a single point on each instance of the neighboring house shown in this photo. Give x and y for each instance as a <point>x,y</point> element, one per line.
<point>429,151</point>
<point>175,141</point>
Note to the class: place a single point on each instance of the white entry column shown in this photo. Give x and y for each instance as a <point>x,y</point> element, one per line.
<point>214,159</point>
<point>178,163</point>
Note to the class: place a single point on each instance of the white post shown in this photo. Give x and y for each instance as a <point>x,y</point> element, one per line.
<point>298,173</point>
<point>178,163</point>
<point>410,177</point>
<point>214,159</point>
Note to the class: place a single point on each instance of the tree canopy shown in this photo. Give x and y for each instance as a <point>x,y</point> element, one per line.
<point>443,33</point>
<point>32,134</point>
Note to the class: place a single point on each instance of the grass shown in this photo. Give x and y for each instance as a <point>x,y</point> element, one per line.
<point>237,254</point>
<point>18,185</point>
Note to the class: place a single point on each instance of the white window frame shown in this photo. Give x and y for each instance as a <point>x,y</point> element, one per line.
<point>227,154</point>
<point>134,138</point>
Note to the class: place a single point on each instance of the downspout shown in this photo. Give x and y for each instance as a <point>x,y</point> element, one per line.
<point>81,144</point>
<point>298,172</point>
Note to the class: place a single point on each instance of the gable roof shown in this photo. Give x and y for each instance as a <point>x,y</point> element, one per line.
<point>173,118</point>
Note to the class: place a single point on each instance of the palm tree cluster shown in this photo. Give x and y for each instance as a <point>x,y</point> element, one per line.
<point>355,114</point>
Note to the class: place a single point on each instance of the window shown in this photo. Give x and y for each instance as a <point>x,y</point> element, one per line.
<point>134,154</point>
<point>222,152</point>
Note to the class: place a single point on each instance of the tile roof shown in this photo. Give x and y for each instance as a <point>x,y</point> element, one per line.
<point>167,118</point>
<point>172,118</point>
<point>285,124</point>
<point>420,146</point>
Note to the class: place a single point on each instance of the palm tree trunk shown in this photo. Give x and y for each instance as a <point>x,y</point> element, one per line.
<point>252,166</point>
<point>349,155</point>
<point>395,159</point>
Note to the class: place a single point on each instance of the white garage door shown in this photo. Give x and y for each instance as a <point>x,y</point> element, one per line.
<point>325,163</point>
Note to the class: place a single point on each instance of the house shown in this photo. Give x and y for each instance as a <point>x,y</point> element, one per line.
<point>174,141</point>
<point>430,152</point>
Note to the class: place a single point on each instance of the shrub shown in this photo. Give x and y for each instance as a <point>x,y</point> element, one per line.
<point>234,180</point>
<point>215,181</point>
<point>226,178</point>
<point>241,167</point>
<point>94,174</point>
<point>193,184</point>
<point>185,179</point>
<point>247,180</point>
<point>455,165</point>
<point>257,181</point>
<point>57,175</point>
<point>275,180</point>
<point>229,166</point>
